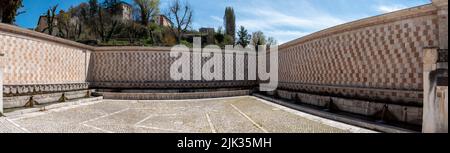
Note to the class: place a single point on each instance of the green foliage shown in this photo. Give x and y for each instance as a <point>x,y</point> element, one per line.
<point>156,34</point>
<point>95,22</point>
<point>228,40</point>
<point>134,31</point>
<point>147,9</point>
<point>186,43</point>
<point>271,42</point>
<point>243,37</point>
<point>230,22</point>
<point>9,10</point>
<point>100,19</point>
<point>219,36</point>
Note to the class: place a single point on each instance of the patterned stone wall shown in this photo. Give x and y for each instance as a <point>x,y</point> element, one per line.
<point>378,58</point>
<point>34,62</point>
<point>149,68</point>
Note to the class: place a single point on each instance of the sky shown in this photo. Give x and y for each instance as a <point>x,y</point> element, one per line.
<point>285,20</point>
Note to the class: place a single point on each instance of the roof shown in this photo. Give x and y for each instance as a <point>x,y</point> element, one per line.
<point>125,3</point>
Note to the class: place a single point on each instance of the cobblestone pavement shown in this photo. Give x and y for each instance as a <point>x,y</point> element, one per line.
<point>225,115</point>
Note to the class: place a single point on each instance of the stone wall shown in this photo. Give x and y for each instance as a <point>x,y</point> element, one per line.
<point>371,67</point>
<point>377,58</point>
<point>35,62</point>
<point>145,68</point>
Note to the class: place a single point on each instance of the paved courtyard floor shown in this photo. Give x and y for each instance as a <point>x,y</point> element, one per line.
<point>224,115</point>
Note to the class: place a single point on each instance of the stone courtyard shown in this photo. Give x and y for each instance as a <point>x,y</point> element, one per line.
<point>243,114</point>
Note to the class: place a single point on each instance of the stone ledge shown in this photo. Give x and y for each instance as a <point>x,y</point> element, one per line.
<point>172,85</point>
<point>53,106</point>
<point>33,89</point>
<point>394,112</point>
<point>172,96</point>
<point>20,101</point>
<point>406,97</point>
<point>338,117</point>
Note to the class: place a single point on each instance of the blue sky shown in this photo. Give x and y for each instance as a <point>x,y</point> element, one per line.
<point>285,20</point>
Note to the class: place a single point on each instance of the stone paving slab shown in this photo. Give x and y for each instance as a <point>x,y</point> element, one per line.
<point>244,114</point>
<point>6,126</point>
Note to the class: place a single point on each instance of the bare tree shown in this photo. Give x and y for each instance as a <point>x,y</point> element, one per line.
<point>258,38</point>
<point>146,8</point>
<point>51,15</point>
<point>181,16</point>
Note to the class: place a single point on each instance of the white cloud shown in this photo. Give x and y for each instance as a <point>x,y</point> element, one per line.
<point>285,27</point>
<point>217,19</point>
<point>266,19</point>
<point>284,36</point>
<point>388,9</point>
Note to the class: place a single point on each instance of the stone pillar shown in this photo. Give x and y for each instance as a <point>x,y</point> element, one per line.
<point>1,84</point>
<point>435,99</point>
<point>442,7</point>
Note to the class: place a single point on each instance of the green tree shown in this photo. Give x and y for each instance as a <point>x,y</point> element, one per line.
<point>230,22</point>
<point>134,31</point>
<point>147,9</point>
<point>271,41</point>
<point>112,7</point>
<point>228,40</point>
<point>93,7</point>
<point>219,36</point>
<point>100,19</point>
<point>64,26</point>
<point>243,37</point>
<point>156,33</point>
<point>9,10</point>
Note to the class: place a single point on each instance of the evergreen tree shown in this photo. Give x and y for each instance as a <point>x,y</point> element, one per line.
<point>243,37</point>
<point>230,22</point>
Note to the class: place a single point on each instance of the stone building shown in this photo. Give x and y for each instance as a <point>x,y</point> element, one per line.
<point>43,24</point>
<point>162,20</point>
<point>208,33</point>
<point>126,11</point>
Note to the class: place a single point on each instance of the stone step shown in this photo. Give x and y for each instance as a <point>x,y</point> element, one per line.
<point>172,96</point>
